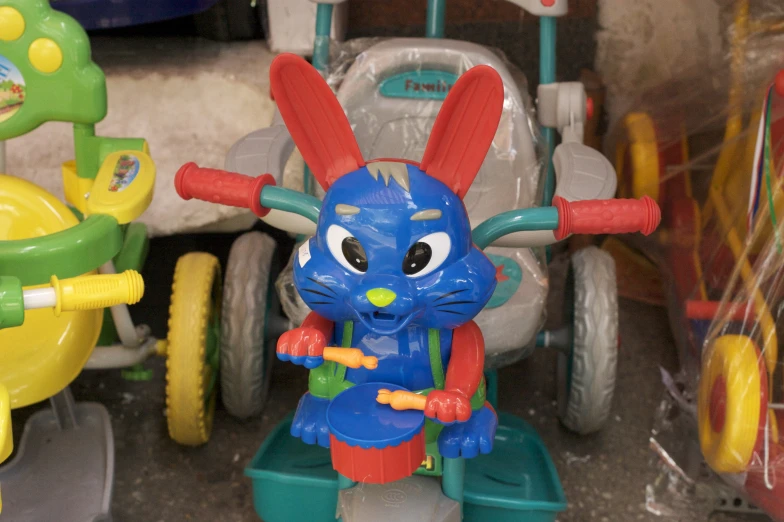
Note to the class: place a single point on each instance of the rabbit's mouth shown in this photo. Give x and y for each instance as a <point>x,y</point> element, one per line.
<point>384,323</point>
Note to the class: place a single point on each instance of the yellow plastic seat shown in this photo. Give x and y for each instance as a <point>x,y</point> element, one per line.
<point>44,355</point>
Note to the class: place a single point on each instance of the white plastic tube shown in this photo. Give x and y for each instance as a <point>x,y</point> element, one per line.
<point>119,356</point>
<point>39,298</point>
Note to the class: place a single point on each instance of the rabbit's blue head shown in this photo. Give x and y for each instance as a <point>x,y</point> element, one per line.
<point>393,243</point>
<point>393,248</point>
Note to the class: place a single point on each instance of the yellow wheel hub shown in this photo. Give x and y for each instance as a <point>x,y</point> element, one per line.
<point>192,348</point>
<point>729,403</point>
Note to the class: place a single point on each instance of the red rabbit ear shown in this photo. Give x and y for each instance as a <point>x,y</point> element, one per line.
<point>464,129</point>
<point>314,118</point>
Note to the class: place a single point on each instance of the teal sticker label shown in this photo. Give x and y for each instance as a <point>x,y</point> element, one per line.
<point>508,278</point>
<point>125,172</point>
<point>427,85</point>
<point>12,89</point>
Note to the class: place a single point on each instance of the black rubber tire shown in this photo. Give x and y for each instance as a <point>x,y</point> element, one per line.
<point>230,20</point>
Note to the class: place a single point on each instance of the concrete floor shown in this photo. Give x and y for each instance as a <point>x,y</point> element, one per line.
<point>604,476</point>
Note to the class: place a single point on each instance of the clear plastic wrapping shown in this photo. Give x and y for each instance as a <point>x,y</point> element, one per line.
<point>710,148</point>
<point>391,90</point>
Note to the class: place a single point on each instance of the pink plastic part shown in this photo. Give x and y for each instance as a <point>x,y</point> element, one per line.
<point>606,216</point>
<point>464,129</point>
<point>589,108</point>
<point>315,119</point>
<point>220,186</point>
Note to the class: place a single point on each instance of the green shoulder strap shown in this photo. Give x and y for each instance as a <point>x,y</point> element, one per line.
<point>348,334</point>
<point>436,363</point>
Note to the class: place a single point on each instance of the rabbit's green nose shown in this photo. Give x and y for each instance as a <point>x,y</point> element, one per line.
<point>381,297</point>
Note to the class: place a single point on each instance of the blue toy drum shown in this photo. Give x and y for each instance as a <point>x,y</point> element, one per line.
<point>371,442</point>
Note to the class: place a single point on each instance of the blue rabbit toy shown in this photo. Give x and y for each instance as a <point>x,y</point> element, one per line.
<point>394,274</point>
<point>392,269</point>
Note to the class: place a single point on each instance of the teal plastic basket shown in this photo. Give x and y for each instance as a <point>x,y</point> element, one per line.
<point>288,474</point>
<point>516,482</point>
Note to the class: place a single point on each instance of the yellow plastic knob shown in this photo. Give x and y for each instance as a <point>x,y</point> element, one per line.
<point>97,291</point>
<point>12,24</point>
<point>45,55</point>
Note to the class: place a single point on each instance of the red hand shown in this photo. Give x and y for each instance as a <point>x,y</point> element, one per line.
<point>302,341</point>
<point>220,186</point>
<point>448,406</point>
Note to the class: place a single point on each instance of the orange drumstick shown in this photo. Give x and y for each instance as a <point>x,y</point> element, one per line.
<point>351,357</point>
<point>402,399</point>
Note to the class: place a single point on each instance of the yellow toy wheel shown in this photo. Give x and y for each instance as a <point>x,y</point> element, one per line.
<point>193,348</point>
<point>637,158</point>
<point>732,402</point>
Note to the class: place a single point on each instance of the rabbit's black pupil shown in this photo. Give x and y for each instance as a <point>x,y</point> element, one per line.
<point>354,253</point>
<point>417,258</point>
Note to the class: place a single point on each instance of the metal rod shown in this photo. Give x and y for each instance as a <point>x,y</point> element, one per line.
<point>547,36</point>
<point>436,15</point>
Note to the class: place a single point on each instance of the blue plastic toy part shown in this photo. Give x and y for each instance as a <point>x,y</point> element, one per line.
<point>471,438</point>
<point>544,218</point>
<point>356,418</point>
<point>308,361</point>
<point>310,422</point>
<point>392,257</point>
<point>105,14</point>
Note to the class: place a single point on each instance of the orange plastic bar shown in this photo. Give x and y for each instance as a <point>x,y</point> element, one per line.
<point>402,400</point>
<point>351,357</point>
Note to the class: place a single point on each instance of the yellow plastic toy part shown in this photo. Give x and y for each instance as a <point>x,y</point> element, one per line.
<point>45,55</point>
<point>123,187</point>
<point>97,291</point>
<point>45,354</point>
<point>12,24</point>
<point>76,188</point>
<point>193,350</point>
<point>6,438</point>
<point>728,404</point>
<point>643,154</point>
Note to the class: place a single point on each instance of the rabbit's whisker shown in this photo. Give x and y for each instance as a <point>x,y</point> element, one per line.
<point>317,293</point>
<point>455,303</point>
<point>322,285</point>
<point>453,292</point>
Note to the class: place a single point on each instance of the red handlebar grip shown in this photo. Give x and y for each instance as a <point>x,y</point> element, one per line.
<point>606,216</point>
<point>223,187</point>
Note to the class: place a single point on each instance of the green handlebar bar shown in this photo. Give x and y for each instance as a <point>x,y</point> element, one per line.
<point>525,219</point>
<point>68,253</point>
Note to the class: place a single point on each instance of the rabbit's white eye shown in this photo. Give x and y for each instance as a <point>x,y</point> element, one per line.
<point>347,249</point>
<point>427,254</point>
